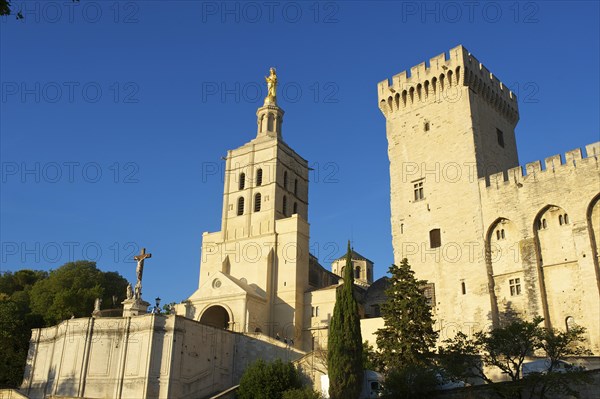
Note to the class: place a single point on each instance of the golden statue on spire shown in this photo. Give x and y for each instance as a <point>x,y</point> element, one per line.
<point>271,98</point>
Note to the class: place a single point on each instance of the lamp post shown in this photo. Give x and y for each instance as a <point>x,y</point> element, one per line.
<point>157,308</point>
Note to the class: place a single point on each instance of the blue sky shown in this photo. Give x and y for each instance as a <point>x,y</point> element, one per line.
<point>115,114</point>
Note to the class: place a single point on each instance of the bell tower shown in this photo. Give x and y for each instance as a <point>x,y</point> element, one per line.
<point>260,257</point>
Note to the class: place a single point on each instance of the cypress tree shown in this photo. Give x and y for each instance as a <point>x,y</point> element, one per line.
<point>408,336</point>
<point>345,347</point>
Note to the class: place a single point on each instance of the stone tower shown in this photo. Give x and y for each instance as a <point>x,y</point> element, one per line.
<point>254,272</point>
<point>448,123</point>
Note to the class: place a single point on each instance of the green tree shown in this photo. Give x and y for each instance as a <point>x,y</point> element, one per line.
<point>506,348</point>
<point>14,339</point>
<point>263,380</point>
<point>345,346</point>
<point>408,337</point>
<point>72,289</point>
<point>33,299</point>
<point>305,393</point>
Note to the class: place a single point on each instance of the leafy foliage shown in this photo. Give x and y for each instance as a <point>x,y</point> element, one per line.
<point>71,290</point>
<point>305,393</point>
<point>263,380</point>
<point>506,348</point>
<point>408,337</point>
<point>410,381</point>
<point>33,299</point>
<point>345,347</point>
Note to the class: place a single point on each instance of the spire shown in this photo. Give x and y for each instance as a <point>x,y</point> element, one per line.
<point>270,116</point>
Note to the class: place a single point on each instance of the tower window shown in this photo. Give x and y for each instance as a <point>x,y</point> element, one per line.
<point>566,219</point>
<point>426,126</point>
<point>500,235</point>
<point>515,286</point>
<point>242,181</point>
<point>316,311</point>
<point>257,200</point>
<point>560,219</point>
<point>240,206</point>
<point>285,179</point>
<point>296,187</point>
<point>259,177</point>
<point>500,136</point>
<point>357,272</point>
<point>464,288</point>
<point>284,206</point>
<point>435,238</point>
<point>429,294</point>
<point>418,189</point>
<point>295,208</point>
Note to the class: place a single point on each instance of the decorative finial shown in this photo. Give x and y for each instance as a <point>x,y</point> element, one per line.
<point>271,98</point>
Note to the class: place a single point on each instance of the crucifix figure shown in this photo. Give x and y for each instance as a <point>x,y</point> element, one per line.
<point>139,270</point>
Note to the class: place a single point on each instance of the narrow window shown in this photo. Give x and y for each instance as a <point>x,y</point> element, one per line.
<point>544,224</point>
<point>435,239</point>
<point>313,312</point>
<point>295,208</point>
<point>257,200</point>
<point>566,219</point>
<point>285,179</point>
<point>316,311</point>
<point>401,228</point>
<point>284,207</point>
<point>242,181</point>
<point>418,190</point>
<point>502,234</point>
<point>357,272</point>
<point>377,310</point>
<point>296,187</point>
<point>464,288</point>
<point>426,126</point>
<point>515,286</point>
<point>240,206</point>
<point>497,234</point>
<point>259,177</point>
<point>500,135</point>
<point>560,219</point>
<point>342,271</point>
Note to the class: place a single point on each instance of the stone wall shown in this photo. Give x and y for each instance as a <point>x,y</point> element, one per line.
<point>149,356</point>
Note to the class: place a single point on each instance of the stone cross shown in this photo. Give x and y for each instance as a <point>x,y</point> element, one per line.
<point>139,270</point>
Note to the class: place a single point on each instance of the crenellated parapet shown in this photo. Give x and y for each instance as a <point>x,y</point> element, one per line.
<point>439,81</point>
<point>534,172</point>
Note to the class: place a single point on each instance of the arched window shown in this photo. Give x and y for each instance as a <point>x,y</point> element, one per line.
<point>295,186</point>
<point>295,208</point>
<point>357,272</point>
<point>240,206</point>
<point>544,224</point>
<point>560,219</point>
<point>284,206</point>
<point>342,271</point>
<point>497,234</point>
<point>502,234</point>
<point>257,199</point>
<point>242,181</point>
<point>285,180</point>
<point>566,219</point>
<point>259,177</point>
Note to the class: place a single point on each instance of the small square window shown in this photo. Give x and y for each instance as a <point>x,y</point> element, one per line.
<point>515,286</point>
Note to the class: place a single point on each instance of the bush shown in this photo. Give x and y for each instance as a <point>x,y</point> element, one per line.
<point>305,393</point>
<point>263,380</point>
<point>410,382</point>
